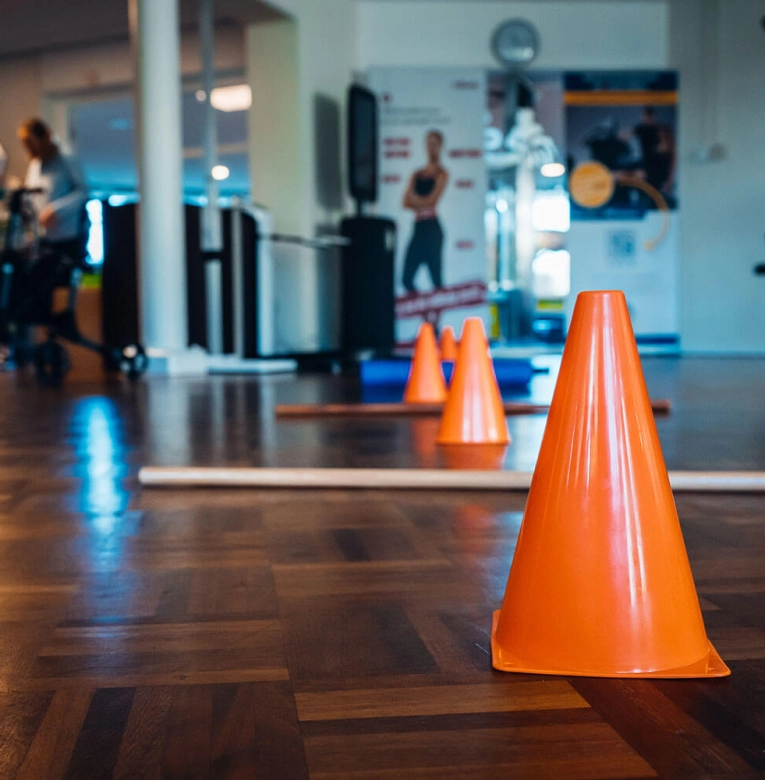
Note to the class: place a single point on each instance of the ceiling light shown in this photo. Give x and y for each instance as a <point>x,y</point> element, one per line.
<point>553,169</point>
<point>220,172</point>
<point>235,98</point>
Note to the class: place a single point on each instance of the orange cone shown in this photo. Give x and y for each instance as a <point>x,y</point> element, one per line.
<point>426,381</point>
<point>423,437</point>
<point>449,345</point>
<point>473,412</point>
<point>600,583</point>
<point>474,457</point>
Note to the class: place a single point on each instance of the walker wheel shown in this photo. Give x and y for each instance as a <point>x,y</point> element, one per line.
<point>133,361</point>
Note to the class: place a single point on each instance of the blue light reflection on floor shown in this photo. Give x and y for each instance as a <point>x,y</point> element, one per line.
<point>98,440</point>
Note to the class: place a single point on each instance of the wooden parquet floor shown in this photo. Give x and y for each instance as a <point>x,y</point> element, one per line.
<point>341,634</point>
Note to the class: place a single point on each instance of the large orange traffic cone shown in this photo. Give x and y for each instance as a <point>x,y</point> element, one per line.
<point>600,583</point>
<point>448,344</point>
<point>426,381</point>
<point>473,412</point>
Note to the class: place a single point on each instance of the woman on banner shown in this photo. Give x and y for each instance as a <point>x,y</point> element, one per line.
<point>426,186</point>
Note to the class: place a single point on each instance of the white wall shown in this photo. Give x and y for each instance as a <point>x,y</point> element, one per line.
<point>20,98</point>
<point>308,283</point>
<point>574,33</point>
<point>719,48</point>
<point>326,56</point>
<point>272,72</point>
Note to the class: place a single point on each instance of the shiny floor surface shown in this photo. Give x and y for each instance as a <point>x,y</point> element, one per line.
<point>340,634</point>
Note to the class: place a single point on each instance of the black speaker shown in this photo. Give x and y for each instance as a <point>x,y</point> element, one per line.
<point>368,297</point>
<point>119,279</point>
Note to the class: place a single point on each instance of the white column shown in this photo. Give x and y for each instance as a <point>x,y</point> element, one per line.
<point>155,33</point>
<point>210,223</point>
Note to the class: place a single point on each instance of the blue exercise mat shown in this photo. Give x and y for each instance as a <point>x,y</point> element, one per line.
<point>511,372</point>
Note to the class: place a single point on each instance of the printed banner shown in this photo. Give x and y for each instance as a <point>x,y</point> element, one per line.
<point>622,159</point>
<point>433,185</point>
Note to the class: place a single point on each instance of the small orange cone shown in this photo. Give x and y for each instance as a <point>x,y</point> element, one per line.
<point>426,381</point>
<point>473,412</point>
<point>600,584</point>
<point>449,345</point>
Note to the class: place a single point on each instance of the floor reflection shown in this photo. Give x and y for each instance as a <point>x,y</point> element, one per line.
<point>97,437</point>
<point>98,442</point>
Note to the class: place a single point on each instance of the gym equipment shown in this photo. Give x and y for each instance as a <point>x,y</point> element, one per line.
<point>511,373</point>
<point>29,275</point>
<point>368,298</point>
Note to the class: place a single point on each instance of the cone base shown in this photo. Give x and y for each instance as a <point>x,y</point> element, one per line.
<point>709,666</point>
<point>448,441</point>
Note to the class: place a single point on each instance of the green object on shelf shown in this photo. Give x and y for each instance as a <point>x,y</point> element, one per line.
<point>91,281</point>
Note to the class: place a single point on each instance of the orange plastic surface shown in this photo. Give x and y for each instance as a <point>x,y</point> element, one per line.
<point>449,345</point>
<point>426,383</point>
<point>600,584</point>
<point>473,412</point>
<point>473,457</point>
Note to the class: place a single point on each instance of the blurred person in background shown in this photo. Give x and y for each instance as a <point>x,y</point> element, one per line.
<point>61,192</point>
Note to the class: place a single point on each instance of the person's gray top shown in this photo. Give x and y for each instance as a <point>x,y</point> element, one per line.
<point>64,189</point>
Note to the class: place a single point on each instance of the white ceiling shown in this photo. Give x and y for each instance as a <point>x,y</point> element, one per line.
<point>32,26</point>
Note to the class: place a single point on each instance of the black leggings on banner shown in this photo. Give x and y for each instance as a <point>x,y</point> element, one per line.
<point>424,247</point>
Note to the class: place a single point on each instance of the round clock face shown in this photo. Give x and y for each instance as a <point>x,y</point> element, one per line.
<point>515,42</point>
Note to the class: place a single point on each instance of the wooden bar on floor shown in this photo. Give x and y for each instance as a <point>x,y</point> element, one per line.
<point>414,479</point>
<point>514,408</point>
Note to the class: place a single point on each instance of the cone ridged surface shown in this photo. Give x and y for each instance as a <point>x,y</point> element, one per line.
<point>600,582</point>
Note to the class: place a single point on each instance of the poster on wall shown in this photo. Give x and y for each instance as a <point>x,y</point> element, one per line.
<point>433,185</point>
<point>621,130</point>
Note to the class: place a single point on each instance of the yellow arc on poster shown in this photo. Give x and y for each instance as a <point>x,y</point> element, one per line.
<point>661,204</point>
<point>591,185</point>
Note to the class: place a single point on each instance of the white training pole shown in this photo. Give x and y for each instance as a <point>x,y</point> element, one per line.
<point>414,479</point>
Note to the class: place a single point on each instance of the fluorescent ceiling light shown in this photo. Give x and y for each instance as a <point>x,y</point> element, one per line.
<point>235,98</point>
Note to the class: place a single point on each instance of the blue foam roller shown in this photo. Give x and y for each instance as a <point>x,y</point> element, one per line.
<point>511,372</point>
<point>384,372</point>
